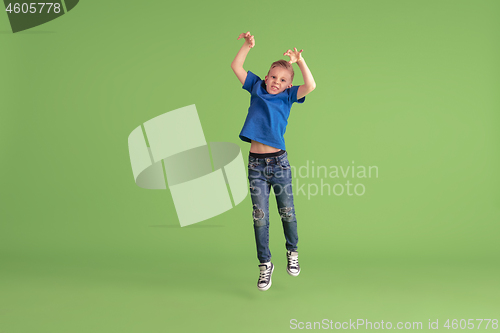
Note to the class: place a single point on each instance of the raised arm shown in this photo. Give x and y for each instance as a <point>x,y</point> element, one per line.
<point>309,84</point>
<point>239,60</point>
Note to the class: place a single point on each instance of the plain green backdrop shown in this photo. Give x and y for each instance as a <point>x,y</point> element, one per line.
<point>408,86</point>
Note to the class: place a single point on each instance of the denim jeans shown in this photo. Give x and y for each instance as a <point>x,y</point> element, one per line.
<point>262,174</point>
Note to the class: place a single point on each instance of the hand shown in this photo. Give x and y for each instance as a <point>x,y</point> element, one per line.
<point>295,56</point>
<point>248,39</point>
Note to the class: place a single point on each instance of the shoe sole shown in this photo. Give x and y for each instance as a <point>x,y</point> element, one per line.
<point>292,274</point>
<point>270,281</point>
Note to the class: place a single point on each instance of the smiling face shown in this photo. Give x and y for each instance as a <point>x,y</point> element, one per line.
<point>278,79</point>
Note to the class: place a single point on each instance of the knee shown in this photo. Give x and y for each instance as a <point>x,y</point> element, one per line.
<point>259,219</point>
<point>287,214</point>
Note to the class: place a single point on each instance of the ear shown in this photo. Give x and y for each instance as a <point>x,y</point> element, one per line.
<point>265,79</point>
<point>290,86</point>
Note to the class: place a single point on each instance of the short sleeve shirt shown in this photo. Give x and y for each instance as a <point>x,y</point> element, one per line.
<point>268,113</point>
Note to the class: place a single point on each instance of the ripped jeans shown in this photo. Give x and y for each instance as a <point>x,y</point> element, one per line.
<point>262,174</point>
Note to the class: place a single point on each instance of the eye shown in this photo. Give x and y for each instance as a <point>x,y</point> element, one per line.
<point>282,80</point>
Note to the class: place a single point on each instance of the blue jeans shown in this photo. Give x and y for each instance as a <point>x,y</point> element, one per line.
<point>262,174</point>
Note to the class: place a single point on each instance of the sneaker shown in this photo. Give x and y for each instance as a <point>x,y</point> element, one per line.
<point>266,271</point>
<point>292,267</point>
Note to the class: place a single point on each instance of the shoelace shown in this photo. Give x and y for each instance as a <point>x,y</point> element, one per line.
<point>264,275</point>
<point>293,261</point>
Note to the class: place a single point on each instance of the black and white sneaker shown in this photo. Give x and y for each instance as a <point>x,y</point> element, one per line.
<point>266,271</point>
<point>292,267</point>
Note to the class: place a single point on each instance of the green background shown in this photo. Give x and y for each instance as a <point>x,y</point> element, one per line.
<point>408,86</point>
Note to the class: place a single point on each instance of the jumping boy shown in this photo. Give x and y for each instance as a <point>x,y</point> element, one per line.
<point>268,164</point>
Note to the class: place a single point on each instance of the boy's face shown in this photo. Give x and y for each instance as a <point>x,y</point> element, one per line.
<point>278,80</point>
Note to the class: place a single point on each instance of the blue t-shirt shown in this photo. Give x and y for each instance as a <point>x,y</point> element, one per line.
<point>268,114</point>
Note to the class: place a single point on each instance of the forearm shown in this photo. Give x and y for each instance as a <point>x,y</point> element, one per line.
<point>309,82</point>
<point>239,60</point>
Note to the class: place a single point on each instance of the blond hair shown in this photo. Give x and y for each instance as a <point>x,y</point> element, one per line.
<point>282,63</point>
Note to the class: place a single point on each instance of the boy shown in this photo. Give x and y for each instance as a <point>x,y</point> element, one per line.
<point>268,164</point>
